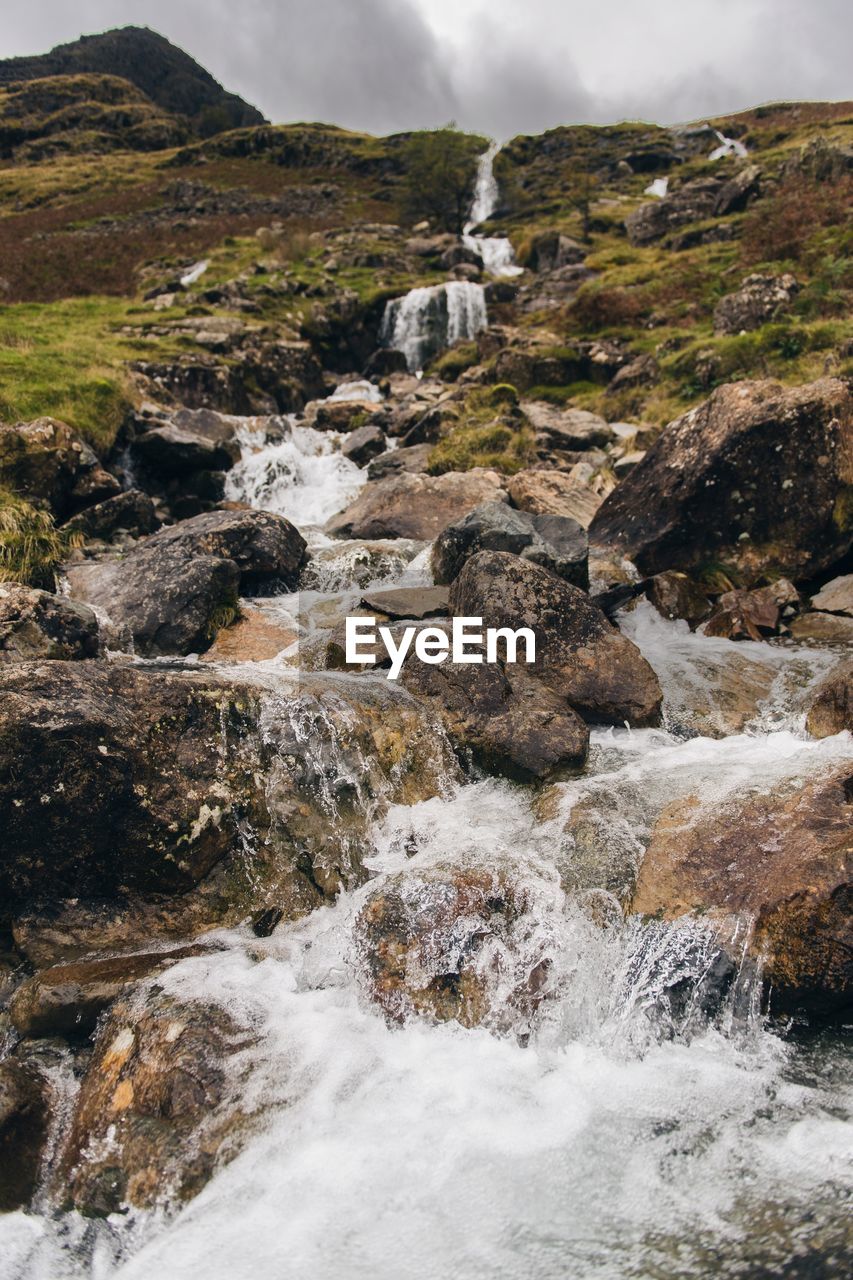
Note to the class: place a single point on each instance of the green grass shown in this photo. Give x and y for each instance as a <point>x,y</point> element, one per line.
<point>31,547</point>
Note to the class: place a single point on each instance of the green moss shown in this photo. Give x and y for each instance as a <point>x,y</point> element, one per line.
<point>497,445</point>
<point>31,547</point>
<point>452,363</point>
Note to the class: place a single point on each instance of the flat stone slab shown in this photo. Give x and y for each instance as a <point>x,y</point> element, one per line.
<point>836,596</point>
<point>410,602</point>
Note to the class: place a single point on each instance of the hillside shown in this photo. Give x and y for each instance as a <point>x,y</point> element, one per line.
<point>165,74</point>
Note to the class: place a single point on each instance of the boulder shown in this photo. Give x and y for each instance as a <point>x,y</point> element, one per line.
<point>781,860</point>
<point>36,624</point>
<point>409,602</point>
<point>555,542</point>
<point>641,372</point>
<point>413,460</point>
<point>830,708</point>
<point>759,478</point>
<point>23,1132</point>
<point>154,1107</point>
<point>129,512</point>
<point>692,202</point>
<point>363,445</point>
<point>836,596</point>
<point>416,506</point>
<point>823,628</point>
<point>737,192</point>
<point>67,999</point>
<point>172,591</point>
<point>551,250</point>
<point>753,615</point>
<point>430,943</point>
<point>758,300</point>
<point>556,493</point>
<point>566,428</point>
<point>675,595</point>
<point>173,450</point>
<point>45,462</point>
<point>579,654</point>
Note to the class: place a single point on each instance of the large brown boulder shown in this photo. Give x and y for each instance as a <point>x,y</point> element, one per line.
<point>579,654</point>
<point>47,463</point>
<point>154,1107</point>
<point>416,506</point>
<point>782,863</point>
<point>172,591</point>
<point>557,543</point>
<point>759,478</point>
<point>830,708</point>
<point>37,624</point>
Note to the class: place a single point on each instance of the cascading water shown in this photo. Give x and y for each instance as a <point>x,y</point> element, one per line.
<point>727,147</point>
<point>496,252</point>
<point>427,320</point>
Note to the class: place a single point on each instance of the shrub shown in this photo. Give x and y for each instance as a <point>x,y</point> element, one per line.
<point>31,547</point>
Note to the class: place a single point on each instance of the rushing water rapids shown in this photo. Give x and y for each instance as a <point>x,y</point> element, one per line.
<point>629,1127</point>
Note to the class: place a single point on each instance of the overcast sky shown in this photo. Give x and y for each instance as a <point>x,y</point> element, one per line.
<point>498,66</point>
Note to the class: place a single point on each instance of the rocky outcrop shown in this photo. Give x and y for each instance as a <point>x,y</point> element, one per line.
<point>759,477</point>
<point>173,450</point>
<point>363,445</point>
<point>171,592</point>
<point>830,708</point>
<point>36,624</point>
<point>154,1107</point>
<point>579,654</point>
<point>758,300</point>
<point>47,463</point>
<point>555,493</point>
<point>783,861</point>
<point>551,250</point>
<point>416,506</point>
<point>836,596</point>
<point>129,512</point>
<point>676,595</point>
<point>694,201</point>
<point>555,542</point>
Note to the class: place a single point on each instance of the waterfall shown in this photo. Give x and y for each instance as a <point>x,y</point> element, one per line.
<point>495,251</point>
<point>424,321</point>
<point>727,147</point>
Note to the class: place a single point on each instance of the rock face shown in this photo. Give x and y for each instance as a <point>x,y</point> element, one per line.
<point>783,860</point>
<point>836,596</point>
<point>170,591</point>
<point>831,709</point>
<point>154,1107</point>
<point>554,493</point>
<point>416,506</point>
<point>550,250</point>
<point>675,595</point>
<point>131,512</point>
<point>566,428</point>
<point>758,477</point>
<point>579,655</point>
<point>555,542</point>
<point>363,445</point>
<point>758,300</point>
<point>23,1130</point>
<point>45,462</point>
<point>173,450</point>
<point>426,941</point>
<point>36,624</point>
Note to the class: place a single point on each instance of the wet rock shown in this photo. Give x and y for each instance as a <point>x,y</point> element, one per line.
<point>246,372</point>
<point>579,654</point>
<point>782,859</point>
<point>337,415</point>
<point>836,596</point>
<point>555,493</point>
<point>45,462</point>
<point>36,624</point>
<point>173,591</point>
<point>68,999</point>
<point>154,1107</point>
<point>253,637</point>
<point>409,602</point>
<point>363,445</point>
<point>416,506</point>
<point>555,542</point>
<point>567,428</point>
<point>432,943</point>
<point>758,478</point>
<point>759,300</point>
<point>173,450</point>
<point>130,512</point>
<point>676,595</point>
<point>823,628</point>
<point>752,615</point>
<point>413,461</point>
<point>831,705</point>
<point>23,1132</point>
<point>510,724</point>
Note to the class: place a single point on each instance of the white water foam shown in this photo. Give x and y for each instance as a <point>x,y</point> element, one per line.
<point>496,252</point>
<point>426,320</point>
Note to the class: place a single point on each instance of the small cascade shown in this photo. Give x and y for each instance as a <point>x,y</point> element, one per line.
<point>658,188</point>
<point>496,251</point>
<point>425,321</point>
<point>727,147</point>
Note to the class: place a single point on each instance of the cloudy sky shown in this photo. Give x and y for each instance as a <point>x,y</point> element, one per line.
<point>498,66</point>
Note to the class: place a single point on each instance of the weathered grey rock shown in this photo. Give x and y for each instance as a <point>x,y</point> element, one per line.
<point>641,372</point>
<point>830,709</point>
<point>736,193</point>
<point>758,300</point>
<point>131,512</point>
<point>409,602</point>
<point>173,450</point>
<point>555,542</point>
<point>46,462</point>
<point>23,1132</point>
<point>551,250</point>
<point>36,624</point>
<point>413,460</point>
<point>823,628</point>
<point>836,596</point>
<point>759,477</point>
<point>567,428</point>
<point>416,506</point>
<point>579,654</point>
<point>171,591</point>
<point>555,493</point>
<point>363,445</point>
